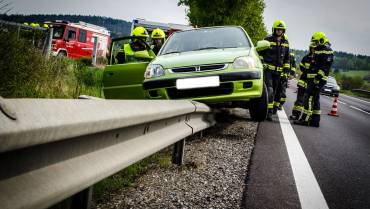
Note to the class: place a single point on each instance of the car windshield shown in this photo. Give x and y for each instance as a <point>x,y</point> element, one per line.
<point>332,80</point>
<point>206,38</point>
<point>58,31</point>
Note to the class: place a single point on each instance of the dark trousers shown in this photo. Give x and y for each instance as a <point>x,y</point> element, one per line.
<point>298,104</point>
<point>311,112</point>
<point>272,81</point>
<point>284,86</point>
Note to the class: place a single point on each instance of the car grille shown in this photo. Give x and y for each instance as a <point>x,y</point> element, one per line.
<point>223,89</point>
<point>200,68</point>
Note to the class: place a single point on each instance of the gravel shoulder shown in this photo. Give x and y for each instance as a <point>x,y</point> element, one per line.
<point>213,176</point>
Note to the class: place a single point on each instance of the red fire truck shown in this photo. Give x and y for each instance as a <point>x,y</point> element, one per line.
<point>76,40</point>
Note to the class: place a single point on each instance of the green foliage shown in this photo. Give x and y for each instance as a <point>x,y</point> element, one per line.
<point>117,27</point>
<point>25,72</point>
<point>128,176</point>
<point>246,13</point>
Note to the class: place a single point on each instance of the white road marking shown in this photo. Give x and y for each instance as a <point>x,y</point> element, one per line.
<point>359,109</point>
<point>342,102</point>
<point>309,191</point>
<point>357,99</point>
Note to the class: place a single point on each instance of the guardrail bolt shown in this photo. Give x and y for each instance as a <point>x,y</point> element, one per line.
<point>178,152</point>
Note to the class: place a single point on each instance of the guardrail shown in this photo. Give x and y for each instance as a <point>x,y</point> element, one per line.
<point>51,149</point>
<point>361,91</point>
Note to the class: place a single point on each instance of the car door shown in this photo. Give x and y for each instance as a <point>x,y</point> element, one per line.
<point>123,81</point>
<point>71,42</point>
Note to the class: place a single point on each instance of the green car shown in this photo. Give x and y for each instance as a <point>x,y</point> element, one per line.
<point>218,66</point>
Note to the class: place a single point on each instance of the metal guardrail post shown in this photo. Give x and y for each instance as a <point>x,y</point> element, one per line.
<point>95,50</point>
<point>82,200</point>
<point>178,152</point>
<point>47,46</point>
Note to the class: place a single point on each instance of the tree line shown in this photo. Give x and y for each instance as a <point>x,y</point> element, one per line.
<point>117,27</point>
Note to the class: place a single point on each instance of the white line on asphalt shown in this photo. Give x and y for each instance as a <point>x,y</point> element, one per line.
<point>359,109</point>
<point>309,191</point>
<point>342,102</point>
<point>356,99</point>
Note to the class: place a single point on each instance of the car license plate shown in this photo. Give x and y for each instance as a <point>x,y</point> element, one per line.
<point>200,82</point>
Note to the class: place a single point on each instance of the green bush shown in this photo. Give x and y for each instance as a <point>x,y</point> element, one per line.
<point>25,72</point>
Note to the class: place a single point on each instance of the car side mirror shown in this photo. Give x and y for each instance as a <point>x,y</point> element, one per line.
<point>262,45</point>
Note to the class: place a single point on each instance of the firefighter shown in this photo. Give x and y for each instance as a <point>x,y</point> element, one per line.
<point>302,84</point>
<point>316,78</point>
<point>158,38</point>
<point>284,79</point>
<point>136,50</point>
<point>275,59</point>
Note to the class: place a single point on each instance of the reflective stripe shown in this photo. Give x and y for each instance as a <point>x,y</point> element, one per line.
<point>325,78</point>
<point>272,67</point>
<point>261,58</point>
<point>270,105</point>
<point>302,83</point>
<point>316,112</point>
<point>298,107</point>
<point>286,65</point>
<point>276,104</point>
<point>321,72</point>
<point>309,112</point>
<point>293,69</point>
<point>301,65</point>
<point>311,75</point>
<point>324,52</point>
<point>272,43</point>
<point>286,45</point>
<point>307,65</point>
<point>282,99</point>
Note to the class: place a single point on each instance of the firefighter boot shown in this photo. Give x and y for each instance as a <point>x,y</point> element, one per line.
<point>315,121</point>
<point>304,121</point>
<point>269,115</point>
<point>295,115</point>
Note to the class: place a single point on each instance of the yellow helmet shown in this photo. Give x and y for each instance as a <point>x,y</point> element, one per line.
<point>34,25</point>
<point>45,25</point>
<point>158,34</point>
<point>140,32</point>
<point>318,38</point>
<point>278,24</point>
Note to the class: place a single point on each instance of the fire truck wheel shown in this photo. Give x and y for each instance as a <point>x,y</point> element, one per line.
<point>62,54</point>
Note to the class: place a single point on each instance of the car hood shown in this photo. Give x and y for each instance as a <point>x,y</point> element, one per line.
<point>202,57</point>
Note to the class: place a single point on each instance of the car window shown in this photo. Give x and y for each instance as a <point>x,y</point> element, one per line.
<point>206,38</point>
<point>82,36</point>
<point>58,32</point>
<point>71,34</point>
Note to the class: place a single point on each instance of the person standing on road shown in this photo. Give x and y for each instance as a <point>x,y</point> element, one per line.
<point>275,59</point>
<point>158,38</point>
<point>284,79</point>
<point>316,78</point>
<point>302,84</point>
<point>136,50</point>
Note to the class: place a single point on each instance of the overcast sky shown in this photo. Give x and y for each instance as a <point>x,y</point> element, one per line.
<point>346,23</point>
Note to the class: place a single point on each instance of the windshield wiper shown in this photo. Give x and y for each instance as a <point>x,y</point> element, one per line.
<point>205,48</point>
<point>171,52</point>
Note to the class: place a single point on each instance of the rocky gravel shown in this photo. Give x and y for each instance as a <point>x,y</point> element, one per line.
<point>213,176</point>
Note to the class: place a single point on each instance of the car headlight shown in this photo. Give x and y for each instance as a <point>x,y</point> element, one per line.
<point>154,70</point>
<point>245,62</point>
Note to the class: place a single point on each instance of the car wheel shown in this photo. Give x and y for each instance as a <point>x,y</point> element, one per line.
<point>62,54</point>
<point>258,107</point>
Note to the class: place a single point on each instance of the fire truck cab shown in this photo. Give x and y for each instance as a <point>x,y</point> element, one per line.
<point>76,40</point>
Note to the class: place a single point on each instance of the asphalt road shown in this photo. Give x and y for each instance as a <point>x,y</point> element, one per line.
<point>326,167</point>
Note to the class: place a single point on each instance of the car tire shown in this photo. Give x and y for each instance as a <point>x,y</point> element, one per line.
<point>62,54</point>
<point>258,107</point>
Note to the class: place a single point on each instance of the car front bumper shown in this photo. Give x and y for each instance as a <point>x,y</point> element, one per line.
<point>234,86</point>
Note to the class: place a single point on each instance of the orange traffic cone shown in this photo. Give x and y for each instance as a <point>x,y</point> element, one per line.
<point>334,109</point>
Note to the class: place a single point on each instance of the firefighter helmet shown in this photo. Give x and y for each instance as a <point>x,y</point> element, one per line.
<point>278,24</point>
<point>158,34</point>
<point>140,32</point>
<point>318,38</point>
